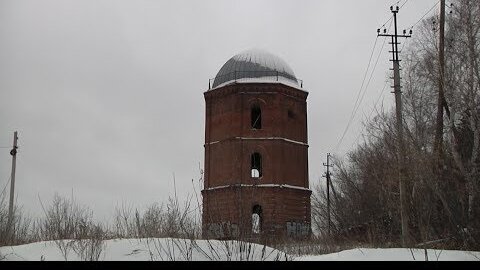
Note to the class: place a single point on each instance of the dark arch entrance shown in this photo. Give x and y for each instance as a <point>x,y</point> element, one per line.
<point>257,219</point>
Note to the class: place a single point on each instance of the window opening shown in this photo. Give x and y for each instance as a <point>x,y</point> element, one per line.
<point>256,219</point>
<point>256,165</point>
<point>256,117</point>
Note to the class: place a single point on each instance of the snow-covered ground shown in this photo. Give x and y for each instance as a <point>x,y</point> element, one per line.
<point>157,249</point>
<point>395,254</point>
<point>168,249</point>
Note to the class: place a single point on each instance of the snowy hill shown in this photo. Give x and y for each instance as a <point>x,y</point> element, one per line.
<point>146,249</point>
<point>169,249</point>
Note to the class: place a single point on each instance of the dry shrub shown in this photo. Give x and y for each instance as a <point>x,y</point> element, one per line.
<point>158,220</point>
<point>71,226</point>
<point>23,229</point>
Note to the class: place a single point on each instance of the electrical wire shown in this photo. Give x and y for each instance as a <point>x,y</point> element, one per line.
<point>428,12</point>
<point>3,190</point>
<point>371,112</point>
<point>357,104</point>
<point>371,75</point>
<point>406,1</point>
<point>391,17</point>
<point>359,93</point>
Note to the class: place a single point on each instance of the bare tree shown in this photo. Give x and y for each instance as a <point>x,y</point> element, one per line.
<point>446,211</point>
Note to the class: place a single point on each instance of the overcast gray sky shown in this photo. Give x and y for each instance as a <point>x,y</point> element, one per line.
<point>107,95</point>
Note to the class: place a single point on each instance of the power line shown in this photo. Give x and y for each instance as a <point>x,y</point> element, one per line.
<point>406,1</point>
<point>403,45</point>
<point>364,78</point>
<point>389,20</point>
<point>371,75</point>
<point>359,93</point>
<point>366,73</point>
<point>391,17</point>
<point>3,190</point>
<point>428,12</point>
<point>384,87</point>
<point>368,118</point>
<point>357,105</point>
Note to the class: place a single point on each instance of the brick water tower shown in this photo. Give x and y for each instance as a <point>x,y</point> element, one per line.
<point>256,151</point>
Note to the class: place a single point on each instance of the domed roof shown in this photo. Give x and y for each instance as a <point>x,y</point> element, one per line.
<point>255,66</point>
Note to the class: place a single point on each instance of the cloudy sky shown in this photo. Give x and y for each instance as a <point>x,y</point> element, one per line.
<point>107,95</point>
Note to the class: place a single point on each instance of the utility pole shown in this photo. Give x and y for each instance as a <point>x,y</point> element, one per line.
<point>438,147</point>
<point>13,152</point>
<point>327,175</point>
<point>398,103</point>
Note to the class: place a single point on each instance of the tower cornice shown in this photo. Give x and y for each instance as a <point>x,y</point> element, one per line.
<point>256,88</point>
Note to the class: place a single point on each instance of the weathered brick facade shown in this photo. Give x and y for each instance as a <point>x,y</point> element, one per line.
<point>230,193</point>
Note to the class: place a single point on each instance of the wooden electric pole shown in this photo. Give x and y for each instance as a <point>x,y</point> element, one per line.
<point>438,146</point>
<point>327,175</point>
<point>13,152</point>
<point>401,146</point>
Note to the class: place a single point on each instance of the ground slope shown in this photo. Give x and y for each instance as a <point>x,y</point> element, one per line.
<point>169,249</point>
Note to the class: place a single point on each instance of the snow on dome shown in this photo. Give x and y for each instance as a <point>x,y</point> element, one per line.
<point>255,66</point>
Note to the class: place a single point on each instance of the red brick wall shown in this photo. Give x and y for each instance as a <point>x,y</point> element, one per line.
<point>228,112</point>
<point>282,162</point>
<point>235,204</point>
<point>282,141</point>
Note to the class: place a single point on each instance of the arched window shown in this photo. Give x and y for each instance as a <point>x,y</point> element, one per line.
<point>256,117</point>
<point>256,165</point>
<point>256,219</point>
